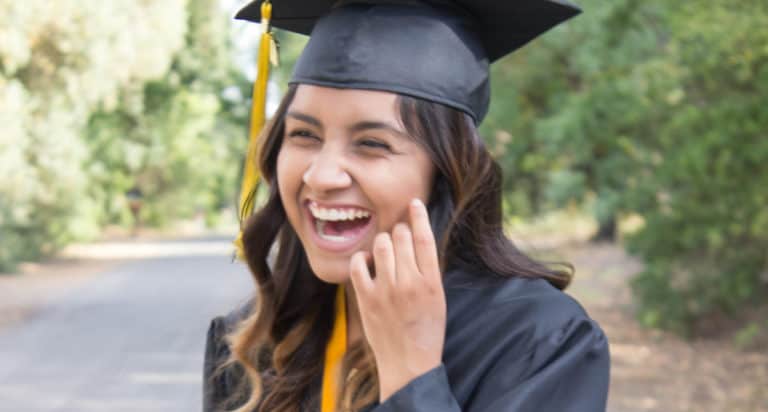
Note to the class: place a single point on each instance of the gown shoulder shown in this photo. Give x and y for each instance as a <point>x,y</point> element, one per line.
<point>220,380</point>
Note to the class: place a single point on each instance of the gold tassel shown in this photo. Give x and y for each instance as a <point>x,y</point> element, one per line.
<point>267,53</point>
<point>334,352</point>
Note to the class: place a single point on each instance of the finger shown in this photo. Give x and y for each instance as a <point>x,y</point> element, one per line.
<point>384,259</point>
<point>425,248</point>
<point>405,260</point>
<point>359,274</point>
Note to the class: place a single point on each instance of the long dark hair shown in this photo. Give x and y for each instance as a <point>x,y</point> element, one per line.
<point>281,345</point>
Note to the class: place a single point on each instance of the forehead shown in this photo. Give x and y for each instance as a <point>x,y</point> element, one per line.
<point>334,104</point>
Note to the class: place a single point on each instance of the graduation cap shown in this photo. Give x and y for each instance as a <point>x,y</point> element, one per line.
<point>438,50</point>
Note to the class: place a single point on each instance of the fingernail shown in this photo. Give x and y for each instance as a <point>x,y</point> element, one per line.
<point>416,202</point>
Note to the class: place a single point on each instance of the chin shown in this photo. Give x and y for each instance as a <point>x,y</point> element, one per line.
<point>331,272</point>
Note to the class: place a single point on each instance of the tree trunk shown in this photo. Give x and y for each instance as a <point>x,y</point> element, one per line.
<point>606,231</point>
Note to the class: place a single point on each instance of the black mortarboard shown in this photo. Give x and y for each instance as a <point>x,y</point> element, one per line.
<point>437,50</point>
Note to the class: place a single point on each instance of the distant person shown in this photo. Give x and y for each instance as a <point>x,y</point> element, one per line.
<point>394,287</point>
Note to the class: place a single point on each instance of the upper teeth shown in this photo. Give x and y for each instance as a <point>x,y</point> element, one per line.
<point>336,214</point>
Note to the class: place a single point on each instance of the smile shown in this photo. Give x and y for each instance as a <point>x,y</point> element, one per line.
<point>340,228</point>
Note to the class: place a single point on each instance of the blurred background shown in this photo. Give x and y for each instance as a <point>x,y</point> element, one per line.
<point>633,141</point>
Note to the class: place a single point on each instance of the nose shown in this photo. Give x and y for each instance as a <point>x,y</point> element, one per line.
<point>327,172</point>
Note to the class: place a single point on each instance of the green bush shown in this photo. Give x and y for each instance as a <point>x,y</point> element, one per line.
<point>706,230</point>
<point>654,109</point>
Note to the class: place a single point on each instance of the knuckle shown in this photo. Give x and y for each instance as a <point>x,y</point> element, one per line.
<point>380,243</point>
<point>412,293</point>
<point>422,239</point>
<point>432,290</point>
<point>393,295</point>
<point>357,275</point>
<point>401,231</point>
<point>407,289</point>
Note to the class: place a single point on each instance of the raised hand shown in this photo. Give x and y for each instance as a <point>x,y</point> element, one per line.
<point>403,308</point>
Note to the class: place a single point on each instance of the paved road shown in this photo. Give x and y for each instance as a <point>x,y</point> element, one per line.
<point>129,339</point>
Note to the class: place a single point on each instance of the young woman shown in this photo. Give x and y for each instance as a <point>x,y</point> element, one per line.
<point>385,222</point>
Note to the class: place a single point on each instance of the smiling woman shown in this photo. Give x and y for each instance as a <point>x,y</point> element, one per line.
<point>394,287</point>
<point>337,159</point>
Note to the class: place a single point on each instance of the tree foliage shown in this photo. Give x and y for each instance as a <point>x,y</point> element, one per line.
<point>706,232</point>
<point>655,109</point>
<point>176,138</point>
<point>96,100</point>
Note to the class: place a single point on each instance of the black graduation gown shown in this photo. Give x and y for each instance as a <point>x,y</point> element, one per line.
<point>512,345</point>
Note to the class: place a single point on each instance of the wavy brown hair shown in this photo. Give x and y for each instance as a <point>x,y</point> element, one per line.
<point>280,346</point>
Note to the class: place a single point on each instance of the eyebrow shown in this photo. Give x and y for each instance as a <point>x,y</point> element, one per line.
<point>355,128</point>
<point>371,124</point>
<point>305,118</point>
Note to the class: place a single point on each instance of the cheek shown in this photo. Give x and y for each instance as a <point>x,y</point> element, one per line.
<point>393,191</point>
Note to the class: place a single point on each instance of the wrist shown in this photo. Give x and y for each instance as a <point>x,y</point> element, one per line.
<point>394,378</point>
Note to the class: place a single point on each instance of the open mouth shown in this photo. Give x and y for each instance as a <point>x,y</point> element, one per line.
<point>338,229</point>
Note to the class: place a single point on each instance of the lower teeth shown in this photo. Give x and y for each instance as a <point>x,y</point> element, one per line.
<point>320,226</point>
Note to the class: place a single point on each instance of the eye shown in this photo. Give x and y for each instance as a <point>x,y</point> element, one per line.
<point>301,133</point>
<point>374,144</point>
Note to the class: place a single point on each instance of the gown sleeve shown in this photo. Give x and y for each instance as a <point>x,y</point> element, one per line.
<point>566,371</point>
<point>216,352</point>
<point>219,383</point>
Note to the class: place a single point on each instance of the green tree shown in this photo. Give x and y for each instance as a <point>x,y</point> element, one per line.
<point>706,222</point>
<point>57,62</point>
<point>175,139</point>
<point>566,108</point>
<point>97,100</point>
<point>656,109</point>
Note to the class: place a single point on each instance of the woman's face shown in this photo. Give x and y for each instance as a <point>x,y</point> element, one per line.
<point>346,171</point>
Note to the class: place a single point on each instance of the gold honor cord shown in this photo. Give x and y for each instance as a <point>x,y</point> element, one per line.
<point>267,53</point>
<point>334,352</point>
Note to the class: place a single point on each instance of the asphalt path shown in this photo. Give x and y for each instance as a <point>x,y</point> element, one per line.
<point>128,339</point>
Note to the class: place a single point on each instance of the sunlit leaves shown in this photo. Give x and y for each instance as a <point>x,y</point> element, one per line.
<point>94,100</point>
